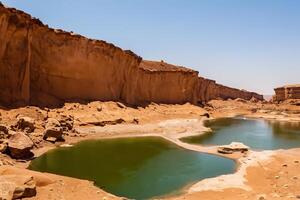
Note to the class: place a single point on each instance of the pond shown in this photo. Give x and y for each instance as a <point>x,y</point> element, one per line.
<point>256,133</point>
<point>136,168</point>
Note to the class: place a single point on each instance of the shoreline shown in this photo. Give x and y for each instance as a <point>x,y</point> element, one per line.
<point>170,122</point>
<point>212,183</point>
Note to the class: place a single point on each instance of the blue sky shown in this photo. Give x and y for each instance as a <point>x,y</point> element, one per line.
<point>248,44</point>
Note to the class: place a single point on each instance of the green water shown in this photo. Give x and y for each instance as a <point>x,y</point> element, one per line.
<point>137,168</point>
<point>258,134</point>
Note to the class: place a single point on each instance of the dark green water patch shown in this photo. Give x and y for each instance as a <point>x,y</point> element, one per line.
<point>258,134</point>
<point>137,168</point>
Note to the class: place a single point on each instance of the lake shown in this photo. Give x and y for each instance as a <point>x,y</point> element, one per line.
<point>137,168</point>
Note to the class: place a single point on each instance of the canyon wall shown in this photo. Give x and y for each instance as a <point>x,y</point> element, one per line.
<point>166,83</point>
<point>163,83</point>
<point>287,92</point>
<point>42,66</point>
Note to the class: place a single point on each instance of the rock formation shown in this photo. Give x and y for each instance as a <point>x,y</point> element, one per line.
<point>232,148</point>
<point>42,66</point>
<point>287,92</point>
<point>19,146</point>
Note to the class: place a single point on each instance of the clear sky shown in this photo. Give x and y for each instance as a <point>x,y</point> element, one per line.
<point>248,44</point>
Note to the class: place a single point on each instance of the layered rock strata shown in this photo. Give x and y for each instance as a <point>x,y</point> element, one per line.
<point>287,92</point>
<point>47,67</point>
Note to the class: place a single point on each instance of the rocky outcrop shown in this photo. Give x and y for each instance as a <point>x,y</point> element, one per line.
<point>287,92</point>
<point>42,66</point>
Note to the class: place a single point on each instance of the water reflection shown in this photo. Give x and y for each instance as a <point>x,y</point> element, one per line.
<point>258,134</point>
<point>290,130</point>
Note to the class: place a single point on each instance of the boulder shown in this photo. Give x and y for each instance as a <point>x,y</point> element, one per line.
<point>53,130</point>
<point>25,123</point>
<point>233,147</point>
<point>19,146</point>
<point>17,186</point>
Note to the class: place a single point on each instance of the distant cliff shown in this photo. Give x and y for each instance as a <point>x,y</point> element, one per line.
<point>287,92</point>
<point>43,66</point>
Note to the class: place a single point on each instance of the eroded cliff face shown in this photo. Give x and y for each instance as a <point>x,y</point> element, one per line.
<point>42,66</point>
<point>14,55</point>
<point>163,83</point>
<point>287,92</point>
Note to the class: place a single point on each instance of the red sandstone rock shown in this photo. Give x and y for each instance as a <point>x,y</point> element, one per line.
<point>47,67</point>
<point>287,92</point>
<point>19,146</point>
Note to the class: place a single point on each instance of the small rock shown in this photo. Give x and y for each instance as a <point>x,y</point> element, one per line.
<point>135,121</point>
<point>261,197</point>
<point>295,178</point>
<point>285,186</point>
<point>99,108</point>
<point>277,177</point>
<point>284,165</point>
<point>66,145</point>
<point>51,139</point>
<point>205,115</point>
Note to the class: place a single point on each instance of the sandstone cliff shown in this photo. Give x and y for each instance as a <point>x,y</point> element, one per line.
<point>287,92</point>
<point>43,66</point>
<point>166,83</point>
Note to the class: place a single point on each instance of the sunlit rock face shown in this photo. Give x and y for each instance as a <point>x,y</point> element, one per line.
<point>287,92</point>
<point>166,83</point>
<point>42,66</point>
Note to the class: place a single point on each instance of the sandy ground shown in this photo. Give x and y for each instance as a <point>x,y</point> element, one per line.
<point>260,175</point>
<point>276,176</point>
